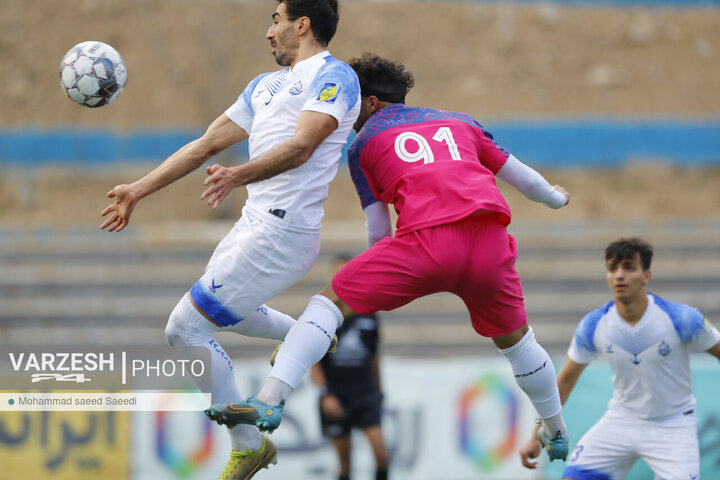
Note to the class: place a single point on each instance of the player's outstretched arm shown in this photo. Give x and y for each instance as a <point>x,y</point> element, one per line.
<point>311,130</point>
<point>531,184</point>
<point>222,133</point>
<point>567,379</point>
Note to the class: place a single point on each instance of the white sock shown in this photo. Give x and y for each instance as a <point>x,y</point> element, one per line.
<point>263,323</point>
<point>535,375</point>
<point>274,391</point>
<point>305,345</point>
<point>187,327</point>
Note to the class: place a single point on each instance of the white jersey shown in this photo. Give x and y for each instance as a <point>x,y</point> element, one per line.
<point>268,110</point>
<point>650,364</point>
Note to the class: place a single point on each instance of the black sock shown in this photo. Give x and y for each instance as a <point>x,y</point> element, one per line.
<point>344,477</point>
<point>381,475</point>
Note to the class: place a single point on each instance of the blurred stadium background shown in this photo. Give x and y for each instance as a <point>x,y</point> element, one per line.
<point>617,100</point>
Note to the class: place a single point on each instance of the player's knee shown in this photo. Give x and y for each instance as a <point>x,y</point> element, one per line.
<point>174,331</point>
<point>172,334</point>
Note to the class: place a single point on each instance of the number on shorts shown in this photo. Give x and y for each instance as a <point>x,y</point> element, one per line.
<point>576,453</point>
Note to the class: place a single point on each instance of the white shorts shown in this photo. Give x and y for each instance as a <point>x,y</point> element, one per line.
<point>254,262</point>
<point>612,446</point>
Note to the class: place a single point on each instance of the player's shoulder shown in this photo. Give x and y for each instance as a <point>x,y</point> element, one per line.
<point>688,321</point>
<point>263,78</point>
<point>341,71</point>
<point>585,332</point>
<point>269,76</point>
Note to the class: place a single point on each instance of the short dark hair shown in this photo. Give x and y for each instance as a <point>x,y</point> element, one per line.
<point>323,15</point>
<point>627,248</point>
<point>385,79</point>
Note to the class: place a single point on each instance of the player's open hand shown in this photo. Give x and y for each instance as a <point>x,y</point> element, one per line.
<point>120,210</point>
<point>221,181</point>
<point>529,451</point>
<point>331,407</point>
<point>564,192</point>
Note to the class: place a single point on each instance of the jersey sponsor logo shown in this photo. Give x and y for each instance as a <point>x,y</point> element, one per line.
<point>329,93</point>
<point>664,349</point>
<point>296,89</point>
<point>214,287</point>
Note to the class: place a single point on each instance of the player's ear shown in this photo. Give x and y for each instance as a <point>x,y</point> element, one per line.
<point>303,25</point>
<point>373,103</point>
<point>648,275</point>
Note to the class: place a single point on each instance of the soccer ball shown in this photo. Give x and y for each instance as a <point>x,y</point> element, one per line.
<point>92,74</point>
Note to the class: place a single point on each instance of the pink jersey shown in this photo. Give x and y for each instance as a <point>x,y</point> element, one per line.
<point>434,166</point>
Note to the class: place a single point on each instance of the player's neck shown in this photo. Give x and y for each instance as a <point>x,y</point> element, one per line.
<point>632,310</point>
<point>307,50</point>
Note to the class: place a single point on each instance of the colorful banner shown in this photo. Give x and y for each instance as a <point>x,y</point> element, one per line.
<point>64,445</point>
<point>451,419</point>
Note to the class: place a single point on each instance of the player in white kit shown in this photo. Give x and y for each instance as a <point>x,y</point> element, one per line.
<point>646,339</point>
<point>297,120</point>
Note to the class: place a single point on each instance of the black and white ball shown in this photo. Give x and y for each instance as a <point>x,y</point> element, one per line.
<point>92,74</point>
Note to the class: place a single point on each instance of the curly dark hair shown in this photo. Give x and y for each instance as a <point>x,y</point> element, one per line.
<point>385,79</point>
<point>323,15</point>
<point>627,248</point>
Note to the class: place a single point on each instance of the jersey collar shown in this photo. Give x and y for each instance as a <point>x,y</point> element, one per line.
<point>309,60</point>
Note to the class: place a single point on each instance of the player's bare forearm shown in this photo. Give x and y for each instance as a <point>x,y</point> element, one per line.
<point>284,157</point>
<point>222,133</point>
<point>567,378</point>
<point>312,128</point>
<point>317,374</point>
<point>179,164</point>
<point>714,350</point>
<point>222,180</point>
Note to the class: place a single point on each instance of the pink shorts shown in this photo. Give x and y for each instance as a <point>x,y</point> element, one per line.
<point>474,258</point>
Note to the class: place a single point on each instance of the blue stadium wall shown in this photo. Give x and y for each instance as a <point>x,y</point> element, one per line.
<point>625,3</point>
<point>581,142</point>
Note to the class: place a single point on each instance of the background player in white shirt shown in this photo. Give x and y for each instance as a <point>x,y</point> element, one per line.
<point>297,120</point>
<point>646,340</point>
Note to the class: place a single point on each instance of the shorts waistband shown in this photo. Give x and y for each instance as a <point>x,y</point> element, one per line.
<point>277,217</point>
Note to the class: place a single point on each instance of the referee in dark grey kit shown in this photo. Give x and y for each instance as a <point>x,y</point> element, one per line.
<point>350,394</point>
